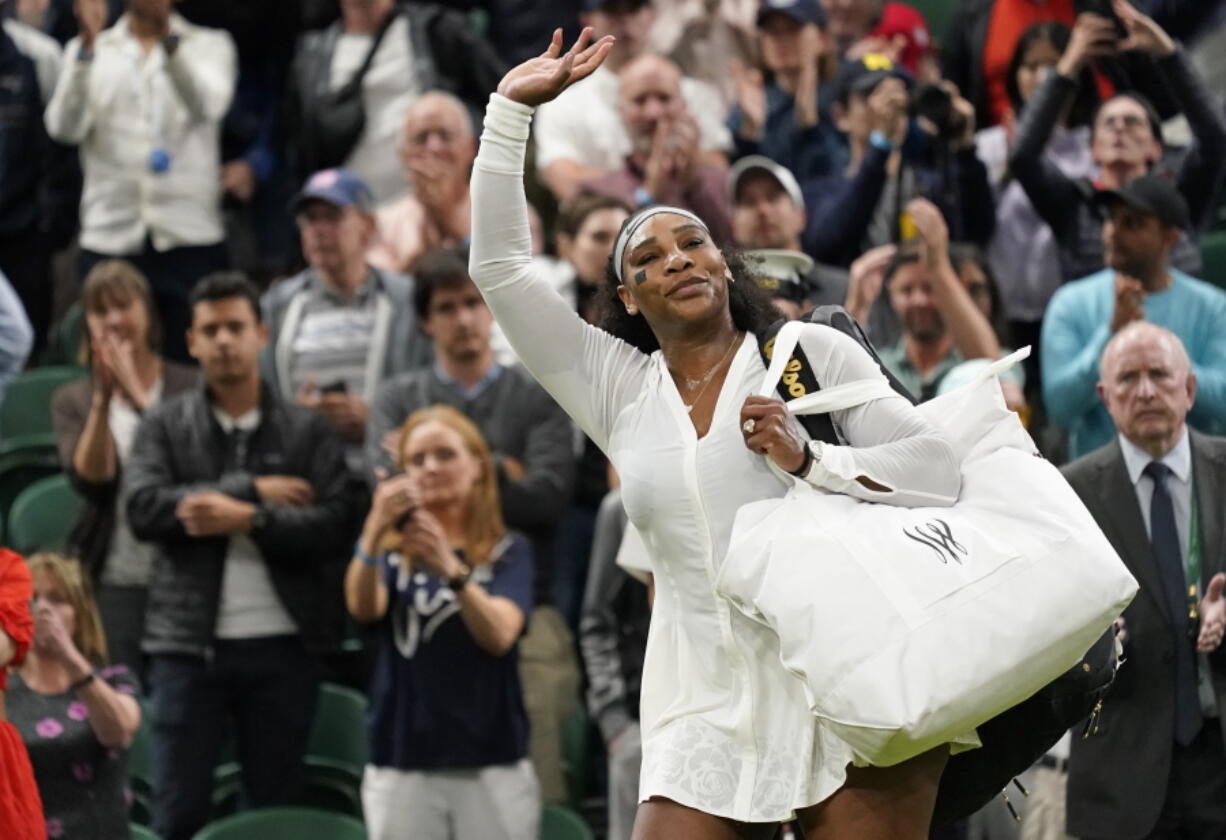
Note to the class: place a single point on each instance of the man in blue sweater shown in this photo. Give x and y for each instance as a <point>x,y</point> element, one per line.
<point>1145,218</point>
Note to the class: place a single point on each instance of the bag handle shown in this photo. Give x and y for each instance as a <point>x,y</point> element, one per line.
<point>836,398</point>
<point>851,394</point>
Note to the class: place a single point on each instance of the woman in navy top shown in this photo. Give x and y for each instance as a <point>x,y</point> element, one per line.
<point>452,589</point>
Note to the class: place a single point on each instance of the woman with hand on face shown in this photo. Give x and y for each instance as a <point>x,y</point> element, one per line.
<point>95,422</point>
<point>666,386</point>
<point>452,590</point>
<point>75,715</point>
<point>21,813</point>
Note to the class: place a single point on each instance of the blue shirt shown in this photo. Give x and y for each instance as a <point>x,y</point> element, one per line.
<point>807,153</point>
<point>1077,327</point>
<point>437,700</point>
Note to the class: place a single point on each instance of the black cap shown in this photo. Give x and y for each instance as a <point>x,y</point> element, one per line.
<point>804,11</point>
<point>863,74</point>
<point>1151,194</point>
<point>597,5</point>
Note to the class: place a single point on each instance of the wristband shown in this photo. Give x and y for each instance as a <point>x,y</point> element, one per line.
<point>366,559</point>
<point>643,198</point>
<point>879,141</point>
<point>84,681</point>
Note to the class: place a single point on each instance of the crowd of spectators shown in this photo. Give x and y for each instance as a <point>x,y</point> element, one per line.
<point>261,212</point>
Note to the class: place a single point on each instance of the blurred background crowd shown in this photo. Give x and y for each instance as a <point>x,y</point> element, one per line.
<point>244,372</point>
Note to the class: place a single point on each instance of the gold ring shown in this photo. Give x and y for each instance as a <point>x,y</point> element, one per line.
<point>748,426</point>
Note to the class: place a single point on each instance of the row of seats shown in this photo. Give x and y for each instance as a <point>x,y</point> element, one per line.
<point>313,824</point>
<point>336,754</point>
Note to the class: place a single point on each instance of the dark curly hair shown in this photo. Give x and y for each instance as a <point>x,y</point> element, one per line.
<point>750,306</point>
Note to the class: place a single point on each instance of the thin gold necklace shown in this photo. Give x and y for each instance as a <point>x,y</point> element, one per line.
<point>705,380</point>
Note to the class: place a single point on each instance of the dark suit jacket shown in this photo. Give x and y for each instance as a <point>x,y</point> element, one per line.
<point>1118,777</point>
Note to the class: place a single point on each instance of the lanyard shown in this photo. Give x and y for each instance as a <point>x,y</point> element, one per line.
<point>1192,567</point>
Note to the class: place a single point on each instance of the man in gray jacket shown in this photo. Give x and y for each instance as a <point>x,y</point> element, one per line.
<point>339,328</point>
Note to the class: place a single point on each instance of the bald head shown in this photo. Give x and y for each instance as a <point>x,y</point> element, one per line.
<point>438,130</point>
<point>650,92</point>
<point>1147,385</point>
<point>1148,335</point>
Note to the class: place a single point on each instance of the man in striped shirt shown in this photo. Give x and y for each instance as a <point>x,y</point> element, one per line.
<point>340,327</point>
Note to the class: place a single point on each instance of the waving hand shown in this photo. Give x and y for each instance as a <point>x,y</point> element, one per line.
<point>541,79</point>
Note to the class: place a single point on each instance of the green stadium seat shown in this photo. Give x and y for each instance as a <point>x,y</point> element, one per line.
<point>577,754</point>
<point>64,343</point>
<point>24,460</point>
<point>27,400</point>
<point>42,516</point>
<point>284,824</point>
<point>1213,253</point>
<point>559,823</point>
<point>338,734</point>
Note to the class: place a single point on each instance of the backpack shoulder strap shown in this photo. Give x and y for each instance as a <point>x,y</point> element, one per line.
<point>833,315</point>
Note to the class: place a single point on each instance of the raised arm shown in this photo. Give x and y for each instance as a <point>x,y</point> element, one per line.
<point>591,374</point>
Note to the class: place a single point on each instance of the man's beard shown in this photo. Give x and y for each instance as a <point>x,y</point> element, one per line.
<point>925,328</point>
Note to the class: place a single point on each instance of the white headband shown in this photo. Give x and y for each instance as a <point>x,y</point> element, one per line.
<point>623,239</point>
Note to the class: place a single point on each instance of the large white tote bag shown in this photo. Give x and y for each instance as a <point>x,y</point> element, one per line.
<point>909,627</point>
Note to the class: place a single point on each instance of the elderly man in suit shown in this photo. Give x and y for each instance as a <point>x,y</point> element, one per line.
<point>1155,767</point>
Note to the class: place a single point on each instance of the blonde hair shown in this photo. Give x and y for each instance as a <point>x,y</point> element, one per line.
<point>483,525</point>
<point>67,573</point>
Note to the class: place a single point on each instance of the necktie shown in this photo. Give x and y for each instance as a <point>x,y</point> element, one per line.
<point>1164,541</point>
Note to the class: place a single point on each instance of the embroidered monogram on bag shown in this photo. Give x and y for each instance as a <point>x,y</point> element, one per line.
<point>938,536</point>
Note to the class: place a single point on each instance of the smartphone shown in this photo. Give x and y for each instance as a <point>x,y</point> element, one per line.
<point>337,387</point>
<point>1104,8</point>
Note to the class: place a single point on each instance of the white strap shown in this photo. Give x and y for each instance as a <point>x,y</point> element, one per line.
<point>839,397</point>
<point>850,394</point>
<point>836,398</point>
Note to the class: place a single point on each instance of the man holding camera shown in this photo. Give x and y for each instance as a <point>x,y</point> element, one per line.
<point>340,327</point>
<point>1126,142</point>
<point>864,206</point>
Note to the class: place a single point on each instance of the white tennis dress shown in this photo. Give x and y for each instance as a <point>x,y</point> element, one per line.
<point>725,729</point>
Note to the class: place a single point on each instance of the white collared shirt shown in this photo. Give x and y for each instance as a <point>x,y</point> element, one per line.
<point>123,105</point>
<point>1179,483</point>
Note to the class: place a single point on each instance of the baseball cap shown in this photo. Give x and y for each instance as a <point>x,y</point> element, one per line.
<point>597,5</point>
<point>863,74</point>
<point>759,163</point>
<point>804,11</point>
<point>779,272</point>
<point>1151,194</point>
<point>901,19</point>
<point>339,187</point>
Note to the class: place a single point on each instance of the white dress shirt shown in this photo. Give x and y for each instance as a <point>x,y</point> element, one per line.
<point>123,105</point>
